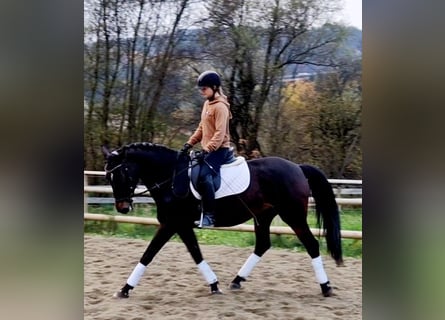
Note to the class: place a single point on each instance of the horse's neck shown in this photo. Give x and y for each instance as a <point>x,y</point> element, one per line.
<point>156,170</point>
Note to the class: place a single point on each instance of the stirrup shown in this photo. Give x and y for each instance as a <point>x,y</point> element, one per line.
<point>206,221</point>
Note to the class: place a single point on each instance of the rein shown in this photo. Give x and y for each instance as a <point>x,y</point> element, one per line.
<point>110,171</point>
<point>160,184</point>
<point>157,185</point>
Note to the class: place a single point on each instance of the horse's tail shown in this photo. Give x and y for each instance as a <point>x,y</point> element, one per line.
<point>328,216</point>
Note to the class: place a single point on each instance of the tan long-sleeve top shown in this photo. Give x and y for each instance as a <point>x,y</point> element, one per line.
<point>213,129</point>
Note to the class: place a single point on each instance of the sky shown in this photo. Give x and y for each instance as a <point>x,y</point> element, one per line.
<point>353,13</point>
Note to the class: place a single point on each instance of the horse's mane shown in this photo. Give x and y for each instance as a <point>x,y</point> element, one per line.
<point>134,149</point>
<point>141,146</point>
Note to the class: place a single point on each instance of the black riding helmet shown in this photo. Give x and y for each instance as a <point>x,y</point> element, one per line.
<point>209,79</point>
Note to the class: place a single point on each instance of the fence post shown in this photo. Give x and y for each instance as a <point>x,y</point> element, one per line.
<point>85,195</point>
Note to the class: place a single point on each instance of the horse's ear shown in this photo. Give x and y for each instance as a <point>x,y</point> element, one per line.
<point>105,151</point>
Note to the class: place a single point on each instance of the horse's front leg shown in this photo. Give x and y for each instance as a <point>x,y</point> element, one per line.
<point>262,244</point>
<point>188,236</point>
<point>164,233</point>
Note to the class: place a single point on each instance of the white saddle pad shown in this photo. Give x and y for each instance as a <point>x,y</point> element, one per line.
<point>235,178</point>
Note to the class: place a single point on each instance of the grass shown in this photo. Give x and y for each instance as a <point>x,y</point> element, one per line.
<point>351,219</point>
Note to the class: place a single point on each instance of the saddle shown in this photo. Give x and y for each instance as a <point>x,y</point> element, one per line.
<point>233,178</point>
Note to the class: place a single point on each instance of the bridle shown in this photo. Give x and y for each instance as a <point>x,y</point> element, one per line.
<point>155,186</point>
<point>107,172</point>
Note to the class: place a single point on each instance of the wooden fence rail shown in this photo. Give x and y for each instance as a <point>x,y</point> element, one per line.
<point>339,191</point>
<point>332,181</point>
<point>347,234</point>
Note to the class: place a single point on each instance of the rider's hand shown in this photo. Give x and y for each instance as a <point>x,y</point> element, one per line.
<point>185,148</point>
<point>201,155</point>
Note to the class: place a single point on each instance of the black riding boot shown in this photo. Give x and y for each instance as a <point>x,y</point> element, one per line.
<point>207,220</point>
<point>207,191</point>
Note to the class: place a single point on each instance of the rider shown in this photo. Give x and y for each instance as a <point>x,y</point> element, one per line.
<point>213,133</point>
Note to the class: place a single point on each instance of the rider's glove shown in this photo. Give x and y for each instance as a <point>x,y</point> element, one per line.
<point>201,155</point>
<point>185,148</point>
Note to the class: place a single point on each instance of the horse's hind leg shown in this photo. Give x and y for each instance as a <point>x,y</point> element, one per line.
<point>161,237</point>
<point>262,244</point>
<point>188,236</point>
<point>311,244</point>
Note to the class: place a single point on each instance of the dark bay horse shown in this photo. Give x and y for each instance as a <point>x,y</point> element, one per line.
<point>277,187</point>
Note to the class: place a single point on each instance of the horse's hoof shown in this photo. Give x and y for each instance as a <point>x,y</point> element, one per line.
<point>328,293</point>
<point>235,286</point>
<point>236,283</point>
<point>217,291</point>
<point>326,289</point>
<point>120,295</point>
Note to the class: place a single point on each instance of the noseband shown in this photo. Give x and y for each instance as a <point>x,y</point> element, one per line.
<point>129,197</point>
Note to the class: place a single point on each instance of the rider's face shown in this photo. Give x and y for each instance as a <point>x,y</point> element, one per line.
<point>206,92</point>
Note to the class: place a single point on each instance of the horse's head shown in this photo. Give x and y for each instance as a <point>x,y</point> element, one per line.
<point>123,177</point>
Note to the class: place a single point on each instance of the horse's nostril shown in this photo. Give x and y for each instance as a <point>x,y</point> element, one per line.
<point>122,207</point>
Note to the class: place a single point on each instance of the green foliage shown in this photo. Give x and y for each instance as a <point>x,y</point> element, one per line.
<point>121,229</point>
<point>140,78</point>
<point>320,122</point>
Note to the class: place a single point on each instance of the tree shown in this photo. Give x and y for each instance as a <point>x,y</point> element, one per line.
<point>320,122</point>
<point>337,134</point>
<point>102,64</point>
<point>127,65</point>
<point>142,58</point>
<point>290,131</point>
<point>257,42</point>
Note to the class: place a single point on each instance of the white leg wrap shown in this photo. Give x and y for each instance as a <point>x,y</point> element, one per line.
<point>136,275</point>
<point>248,266</point>
<point>320,274</point>
<point>207,272</point>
